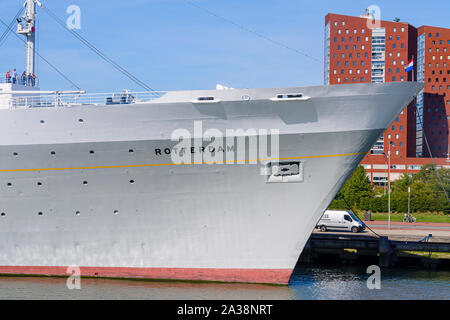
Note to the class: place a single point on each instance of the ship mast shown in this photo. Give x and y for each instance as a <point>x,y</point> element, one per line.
<point>27,26</point>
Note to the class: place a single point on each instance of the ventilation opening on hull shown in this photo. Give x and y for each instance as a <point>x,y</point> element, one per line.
<point>282,172</point>
<point>205,99</point>
<point>289,96</point>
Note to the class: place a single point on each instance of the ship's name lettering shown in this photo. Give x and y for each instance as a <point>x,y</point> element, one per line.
<point>181,151</point>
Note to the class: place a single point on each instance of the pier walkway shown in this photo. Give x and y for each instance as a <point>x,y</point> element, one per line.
<point>403,244</point>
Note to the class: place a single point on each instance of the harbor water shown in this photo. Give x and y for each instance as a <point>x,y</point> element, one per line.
<point>308,283</point>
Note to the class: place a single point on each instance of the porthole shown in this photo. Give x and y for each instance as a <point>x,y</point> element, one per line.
<point>116,212</point>
<point>40,213</point>
<point>132,181</point>
<point>80,120</point>
<point>131,151</point>
<point>92,152</point>
<point>2,214</point>
<point>15,154</point>
<point>9,184</point>
<point>42,121</point>
<point>77,213</point>
<point>85,183</point>
<point>53,153</point>
<point>39,184</point>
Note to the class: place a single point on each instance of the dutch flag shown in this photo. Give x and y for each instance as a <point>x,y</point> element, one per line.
<point>409,66</point>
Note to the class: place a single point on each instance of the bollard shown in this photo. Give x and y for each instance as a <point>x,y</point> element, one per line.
<point>384,250</point>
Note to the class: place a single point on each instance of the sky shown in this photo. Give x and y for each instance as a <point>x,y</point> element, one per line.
<point>173,45</point>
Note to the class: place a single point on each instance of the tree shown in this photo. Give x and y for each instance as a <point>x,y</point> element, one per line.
<point>429,190</point>
<point>357,190</point>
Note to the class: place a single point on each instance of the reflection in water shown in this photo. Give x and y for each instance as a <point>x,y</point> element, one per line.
<point>306,283</point>
<point>55,288</point>
<point>351,283</point>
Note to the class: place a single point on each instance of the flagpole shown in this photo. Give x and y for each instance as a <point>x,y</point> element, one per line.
<point>413,69</point>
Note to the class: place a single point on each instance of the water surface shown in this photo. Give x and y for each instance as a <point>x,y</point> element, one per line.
<point>306,283</point>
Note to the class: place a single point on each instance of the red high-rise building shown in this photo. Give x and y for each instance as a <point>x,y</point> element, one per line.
<point>433,61</point>
<point>361,49</point>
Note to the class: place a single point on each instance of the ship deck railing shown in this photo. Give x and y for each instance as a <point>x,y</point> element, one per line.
<point>28,82</point>
<point>83,99</point>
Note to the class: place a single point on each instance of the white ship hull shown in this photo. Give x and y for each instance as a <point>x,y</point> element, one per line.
<point>117,213</point>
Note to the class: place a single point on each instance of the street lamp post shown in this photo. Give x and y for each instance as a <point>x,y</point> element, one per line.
<point>389,187</point>
<point>409,195</point>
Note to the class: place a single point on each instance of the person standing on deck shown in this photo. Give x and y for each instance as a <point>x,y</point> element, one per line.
<point>14,76</point>
<point>24,78</point>
<point>8,76</point>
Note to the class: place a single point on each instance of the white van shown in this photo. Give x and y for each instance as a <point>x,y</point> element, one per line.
<point>340,220</point>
